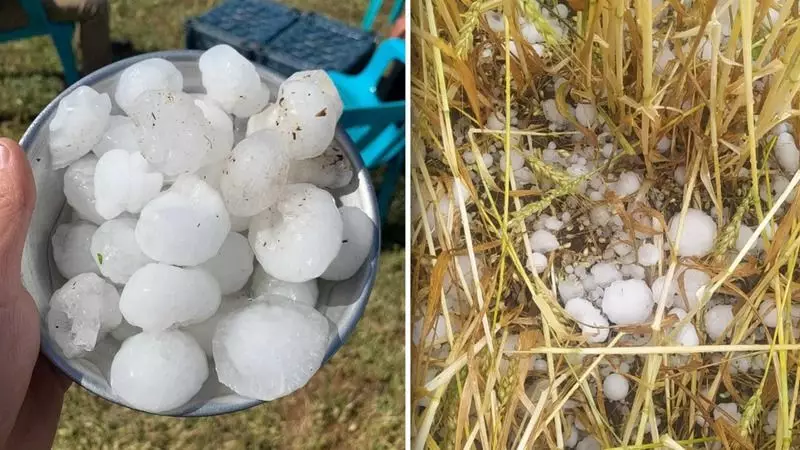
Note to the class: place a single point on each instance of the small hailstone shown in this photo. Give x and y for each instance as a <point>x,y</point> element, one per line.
<point>540,365</point>
<point>627,184</point>
<point>600,215</point>
<point>233,265</point>
<point>663,60</point>
<point>71,249</point>
<point>493,122</point>
<point>495,21</point>
<point>744,235</point>
<point>717,320</point>
<point>699,233</point>
<point>588,443</point>
<point>306,292</point>
<point>687,335</point>
<point>648,254</point>
<point>298,238</point>
<point>256,174</point>
<point>203,332</point>
<point>79,188</point>
<point>331,170</point>
<point>615,387</point>
<point>232,81</point>
<point>728,412</point>
<point>124,182</point>
<point>543,241</point>
<point>436,335</point>
<point>627,302</point>
<point>221,128</point>
<point>633,271</point>
<point>664,144</point>
<point>787,154</point>
<point>121,133</point>
<point>552,114</point>
<point>158,371</point>
<point>154,74</point>
<point>115,250</point>
<point>604,274</point>
<point>586,114</point>
<point>594,326</point>
<point>537,262</point>
<point>622,248</point>
<point>78,124</point>
<point>680,175</point>
<point>693,280</point>
<point>159,296</point>
<point>270,349</point>
<point>185,225</point>
<point>569,289</point>
<point>80,312</point>
<point>551,223</point>
<point>772,421</point>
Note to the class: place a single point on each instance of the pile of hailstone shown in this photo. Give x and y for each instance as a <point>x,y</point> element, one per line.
<point>170,209</point>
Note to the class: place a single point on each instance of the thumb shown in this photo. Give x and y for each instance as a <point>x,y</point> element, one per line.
<point>17,197</point>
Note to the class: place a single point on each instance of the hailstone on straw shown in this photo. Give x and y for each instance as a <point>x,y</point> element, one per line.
<point>121,133</point>
<point>116,251</point>
<point>233,265</point>
<point>79,122</point>
<point>594,326</point>
<point>306,292</point>
<point>71,252</point>
<point>627,302</point>
<point>787,154</point>
<point>615,387</point>
<point>717,320</point>
<point>80,312</point>
<point>158,371</point>
<point>270,349</point>
<point>203,332</point>
<point>698,234</point>
<point>330,170</point>
<point>543,241</point>
<point>153,74</point>
<point>185,225</point>
<point>232,81</point>
<point>298,238</point>
<point>357,239</point>
<point>79,188</point>
<point>124,182</point>
<point>159,296</point>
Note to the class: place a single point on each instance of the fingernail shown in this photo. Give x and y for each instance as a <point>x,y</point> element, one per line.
<point>5,156</point>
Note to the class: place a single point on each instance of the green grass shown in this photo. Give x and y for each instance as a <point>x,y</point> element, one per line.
<point>355,401</point>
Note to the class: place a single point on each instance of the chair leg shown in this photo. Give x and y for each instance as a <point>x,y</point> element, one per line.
<point>62,39</point>
<point>389,185</point>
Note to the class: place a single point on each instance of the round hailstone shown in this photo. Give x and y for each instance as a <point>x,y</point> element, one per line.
<point>124,331</point>
<point>664,144</point>
<point>648,255</point>
<point>589,443</point>
<point>787,154</point>
<point>543,241</point>
<point>627,184</point>
<point>158,371</point>
<point>687,335</point>
<point>537,262</point>
<point>744,235</point>
<point>78,124</point>
<point>263,284</point>
<point>693,280</point>
<point>594,326</point>
<point>268,119</point>
<point>717,320</point>
<point>221,127</point>
<point>80,312</point>
<point>176,136</point>
<point>79,188</point>
<point>331,170</point>
<point>71,252</point>
<point>124,182</point>
<point>256,174</point>
<point>699,232</point>
<point>357,239</point>
<point>318,79</point>
<point>298,238</point>
<point>586,114</point>
<point>232,81</point>
<point>233,265</point>
<point>552,114</point>
<point>185,225</point>
<point>159,296</point>
<point>604,274</point>
<point>203,332</point>
<point>154,74</point>
<point>569,289</point>
<point>615,387</point>
<point>115,251</point>
<point>728,412</point>
<point>769,314</point>
<point>627,302</point>
<point>270,349</point>
<point>121,133</point>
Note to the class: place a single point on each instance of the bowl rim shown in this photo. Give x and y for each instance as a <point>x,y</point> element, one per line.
<point>359,172</point>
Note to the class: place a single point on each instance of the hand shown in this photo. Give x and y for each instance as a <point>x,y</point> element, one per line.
<point>31,389</point>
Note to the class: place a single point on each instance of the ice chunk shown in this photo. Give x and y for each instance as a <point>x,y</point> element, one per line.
<point>78,124</point>
<point>615,387</point>
<point>321,82</point>
<point>297,239</point>
<point>159,296</point>
<point>357,239</point>
<point>121,133</point>
<point>232,81</point>
<point>543,241</point>
<point>537,262</point>
<point>158,371</point>
<point>331,170</point>
<point>594,326</point>
<point>717,320</point>
<point>71,249</point>
<point>270,349</point>
<point>256,174</point>
<point>185,225</point>
<point>154,74</point>
<point>203,332</point>
<point>233,265</point>
<point>306,292</point>
<point>787,154</point>
<point>552,114</point>
<point>586,114</point>
<point>699,233</point>
<point>79,188</point>
<point>605,274</point>
<point>115,250</point>
<point>221,127</point>
<point>648,255</point>
<point>124,182</point>
<point>627,302</point>
<point>84,309</point>
<point>627,184</point>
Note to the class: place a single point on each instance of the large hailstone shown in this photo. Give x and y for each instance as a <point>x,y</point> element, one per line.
<point>84,309</point>
<point>256,174</point>
<point>154,74</point>
<point>627,302</point>
<point>203,332</point>
<point>158,371</point>
<point>79,188</point>
<point>115,250</point>
<point>717,320</point>
<point>124,182</point>
<point>232,81</point>
<point>330,170</point>
<point>270,349</point>
<point>121,133</point>
<point>221,126</point>
<point>71,253</point>
<point>357,236</point>
<point>78,124</point>
<point>233,265</point>
<point>263,284</point>
<point>594,326</point>
<point>159,296</point>
<point>699,232</point>
<point>297,239</point>
<point>176,136</point>
<point>185,225</point>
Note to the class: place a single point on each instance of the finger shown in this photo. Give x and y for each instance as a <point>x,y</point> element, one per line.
<point>17,197</point>
<point>38,418</point>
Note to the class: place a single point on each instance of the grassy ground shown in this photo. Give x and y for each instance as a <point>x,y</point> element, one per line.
<point>355,401</point>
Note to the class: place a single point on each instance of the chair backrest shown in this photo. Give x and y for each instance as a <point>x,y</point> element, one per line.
<point>374,9</point>
<point>34,9</point>
<point>388,51</point>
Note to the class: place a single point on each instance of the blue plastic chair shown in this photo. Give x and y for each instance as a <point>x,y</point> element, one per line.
<point>374,9</point>
<point>60,32</point>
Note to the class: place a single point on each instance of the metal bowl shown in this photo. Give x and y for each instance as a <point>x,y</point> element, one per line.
<point>341,302</point>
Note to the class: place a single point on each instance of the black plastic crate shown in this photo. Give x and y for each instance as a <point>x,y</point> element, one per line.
<point>246,25</point>
<point>316,42</point>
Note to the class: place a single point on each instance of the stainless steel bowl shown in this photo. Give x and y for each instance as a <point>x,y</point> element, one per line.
<point>341,302</point>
